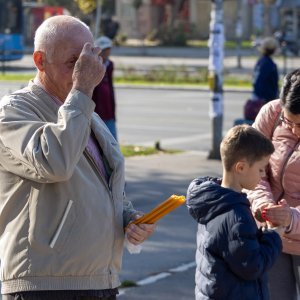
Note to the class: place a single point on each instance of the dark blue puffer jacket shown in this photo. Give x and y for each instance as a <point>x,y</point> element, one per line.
<point>265,79</point>
<point>232,254</point>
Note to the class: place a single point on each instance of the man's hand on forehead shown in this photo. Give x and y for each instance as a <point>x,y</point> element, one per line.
<point>88,47</point>
<point>89,69</point>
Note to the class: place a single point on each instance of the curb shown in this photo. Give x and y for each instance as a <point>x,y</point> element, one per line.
<point>187,87</point>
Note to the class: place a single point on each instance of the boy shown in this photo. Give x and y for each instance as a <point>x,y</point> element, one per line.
<point>232,254</point>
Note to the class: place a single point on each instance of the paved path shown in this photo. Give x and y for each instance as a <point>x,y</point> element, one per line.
<point>170,252</point>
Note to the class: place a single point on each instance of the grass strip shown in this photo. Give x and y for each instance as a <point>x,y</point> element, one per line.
<point>132,150</point>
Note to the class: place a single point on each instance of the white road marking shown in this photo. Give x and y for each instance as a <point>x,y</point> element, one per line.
<point>160,276</point>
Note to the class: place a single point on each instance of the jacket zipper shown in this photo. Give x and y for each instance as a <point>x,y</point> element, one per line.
<point>109,188</point>
<point>107,185</point>
<point>283,169</point>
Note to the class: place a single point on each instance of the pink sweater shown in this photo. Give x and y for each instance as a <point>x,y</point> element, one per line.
<point>283,178</point>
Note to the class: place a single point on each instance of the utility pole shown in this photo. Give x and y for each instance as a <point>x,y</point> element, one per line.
<point>215,69</point>
<point>239,33</point>
<point>98,18</point>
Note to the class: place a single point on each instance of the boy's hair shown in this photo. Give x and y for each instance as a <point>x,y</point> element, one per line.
<point>244,142</point>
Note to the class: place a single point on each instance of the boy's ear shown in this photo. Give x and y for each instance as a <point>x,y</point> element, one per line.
<point>240,166</point>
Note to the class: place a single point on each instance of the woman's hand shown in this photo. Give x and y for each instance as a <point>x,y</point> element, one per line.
<point>258,214</point>
<point>278,215</point>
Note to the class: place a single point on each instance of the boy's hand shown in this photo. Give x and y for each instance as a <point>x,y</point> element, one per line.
<point>279,229</point>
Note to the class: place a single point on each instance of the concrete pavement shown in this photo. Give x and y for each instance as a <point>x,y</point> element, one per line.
<point>169,254</point>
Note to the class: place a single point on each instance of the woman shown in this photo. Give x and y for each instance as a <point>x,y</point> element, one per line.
<point>265,76</point>
<point>265,79</point>
<point>277,197</point>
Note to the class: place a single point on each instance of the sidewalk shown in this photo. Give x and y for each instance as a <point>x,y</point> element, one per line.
<point>143,58</point>
<point>151,179</point>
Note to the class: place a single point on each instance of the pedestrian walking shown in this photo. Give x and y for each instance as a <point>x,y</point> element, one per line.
<point>233,256</point>
<point>265,79</point>
<point>63,207</point>
<point>265,76</point>
<point>104,95</point>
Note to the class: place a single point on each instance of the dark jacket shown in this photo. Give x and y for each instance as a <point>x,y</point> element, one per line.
<point>265,79</point>
<point>232,254</point>
<point>104,96</point>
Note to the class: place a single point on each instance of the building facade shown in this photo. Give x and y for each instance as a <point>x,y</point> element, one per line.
<point>242,18</point>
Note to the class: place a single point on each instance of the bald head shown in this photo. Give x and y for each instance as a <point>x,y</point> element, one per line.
<point>58,29</point>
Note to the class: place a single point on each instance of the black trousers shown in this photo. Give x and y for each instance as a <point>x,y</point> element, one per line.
<point>50,296</point>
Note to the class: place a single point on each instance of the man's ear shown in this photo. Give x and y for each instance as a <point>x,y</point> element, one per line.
<point>39,60</point>
<point>240,166</point>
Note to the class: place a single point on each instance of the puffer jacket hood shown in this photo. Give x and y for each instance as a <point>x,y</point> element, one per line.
<point>206,199</point>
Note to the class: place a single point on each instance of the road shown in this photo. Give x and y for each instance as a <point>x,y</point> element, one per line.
<point>178,118</point>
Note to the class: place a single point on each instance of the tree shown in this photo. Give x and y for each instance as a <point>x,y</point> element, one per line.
<point>86,6</point>
<point>137,3</point>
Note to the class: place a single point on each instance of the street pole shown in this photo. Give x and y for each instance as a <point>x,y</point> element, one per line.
<point>98,18</point>
<point>239,33</point>
<point>215,69</point>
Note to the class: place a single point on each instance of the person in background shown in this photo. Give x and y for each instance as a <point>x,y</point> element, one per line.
<point>104,95</point>
<point>63,210</point>
<point>232,255</point>
<point>278,194</point>
<point>265,80</point>
<point>265,75</point>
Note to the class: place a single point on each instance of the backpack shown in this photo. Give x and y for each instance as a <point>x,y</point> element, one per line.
<point>252,107</point>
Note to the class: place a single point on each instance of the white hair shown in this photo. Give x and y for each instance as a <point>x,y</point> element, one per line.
<point>56,28</point>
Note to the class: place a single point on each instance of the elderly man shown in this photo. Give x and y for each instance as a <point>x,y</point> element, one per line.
<point>62,204</point>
